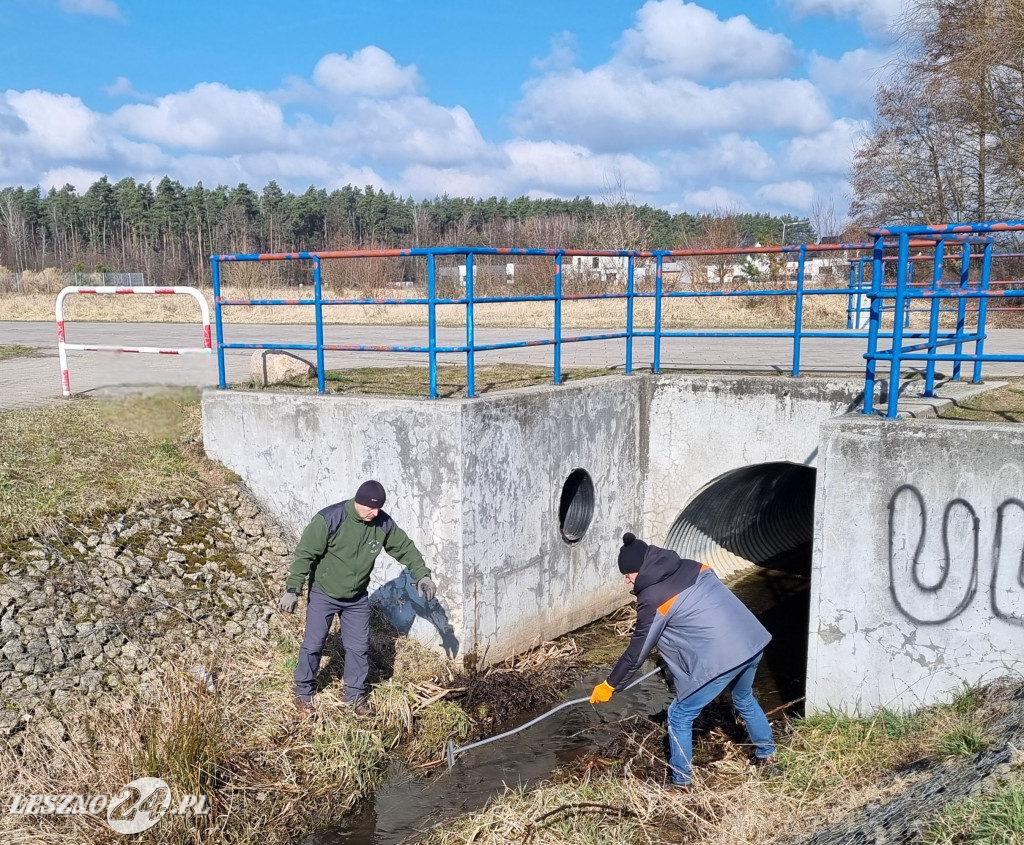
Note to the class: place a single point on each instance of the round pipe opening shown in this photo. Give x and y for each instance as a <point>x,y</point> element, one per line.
<point>576,506</point>
<point>761,514</point>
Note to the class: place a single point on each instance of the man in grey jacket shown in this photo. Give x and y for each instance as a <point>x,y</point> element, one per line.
<point>706,636</point>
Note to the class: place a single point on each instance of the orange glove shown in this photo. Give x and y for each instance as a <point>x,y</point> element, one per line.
<point>602,693</point>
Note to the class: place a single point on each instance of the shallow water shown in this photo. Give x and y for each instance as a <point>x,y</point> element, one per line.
<point>406,804</point>
<point>410,803</point>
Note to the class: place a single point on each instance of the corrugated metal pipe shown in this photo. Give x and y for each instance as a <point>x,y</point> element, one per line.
<point>759,515</point>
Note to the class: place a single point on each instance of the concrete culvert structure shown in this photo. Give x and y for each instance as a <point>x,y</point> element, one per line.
<point>759,515</point>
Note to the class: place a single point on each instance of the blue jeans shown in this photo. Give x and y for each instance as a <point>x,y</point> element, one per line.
<point>681,714</point>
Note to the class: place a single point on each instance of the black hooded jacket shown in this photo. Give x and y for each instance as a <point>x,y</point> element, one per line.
<point>663,575</point>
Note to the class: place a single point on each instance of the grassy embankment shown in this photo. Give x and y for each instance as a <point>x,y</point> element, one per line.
<point>829,764</point>
<point>269,774</point>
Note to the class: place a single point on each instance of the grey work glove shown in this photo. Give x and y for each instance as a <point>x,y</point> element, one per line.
<point>425,587</point>
<point>289,601</point>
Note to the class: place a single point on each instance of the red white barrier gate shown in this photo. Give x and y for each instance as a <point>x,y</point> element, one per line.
<point>63,346</point>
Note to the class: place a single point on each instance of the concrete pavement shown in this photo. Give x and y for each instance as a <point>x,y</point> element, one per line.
<point>35,380</point>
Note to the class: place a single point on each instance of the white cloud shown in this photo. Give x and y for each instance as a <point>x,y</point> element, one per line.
<point>876,17</point>
<point>561,56</point>
<point>122,87</point>
<point>615,109</point>
<point>425,181</point>
<point>80,178</point>
<point>57,125</point>
<point>715,199</point>
<point>103,8</point>
<point>679,73</point>
<point>731,154</point>
<point>829,151</point>
<point>210,117</point>
<point>855,75</point>
<point>683,39</point>
<point>569,167</point>
<point>796,195</point>
<point>370,72</point>
<point>409,129</point>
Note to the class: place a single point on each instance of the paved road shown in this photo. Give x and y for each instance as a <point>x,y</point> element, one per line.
<point>35,380</point>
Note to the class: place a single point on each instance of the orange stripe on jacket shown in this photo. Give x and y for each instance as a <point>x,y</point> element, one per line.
<point>666,606</point>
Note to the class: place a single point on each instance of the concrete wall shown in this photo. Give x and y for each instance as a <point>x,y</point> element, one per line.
<point>476,484</point>
<point>918,579</point>
<point>299,453</point>
<point>524,583</point>
<point>704,426</point>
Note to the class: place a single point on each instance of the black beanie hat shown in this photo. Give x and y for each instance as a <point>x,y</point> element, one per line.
<point>631,555</point>
<point>371,494</point>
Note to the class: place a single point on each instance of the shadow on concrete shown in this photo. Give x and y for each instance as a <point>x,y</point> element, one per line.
<point>400,602</point>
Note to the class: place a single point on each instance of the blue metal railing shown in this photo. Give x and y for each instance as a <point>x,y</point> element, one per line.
<point>882,299</point>
<point>967,237</point>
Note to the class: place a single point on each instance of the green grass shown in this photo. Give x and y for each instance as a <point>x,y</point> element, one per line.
<point>831,750</point>
<point>451,380</point>
<point>1005,404</point>
<point>993,819</point>
<point>16,350</point>
<point>66,462</point>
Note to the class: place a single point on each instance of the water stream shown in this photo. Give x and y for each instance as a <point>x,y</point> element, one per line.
<point>412,802</point>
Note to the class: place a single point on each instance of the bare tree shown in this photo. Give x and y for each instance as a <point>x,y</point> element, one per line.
<point>948,143</point>
<point>719,231</point>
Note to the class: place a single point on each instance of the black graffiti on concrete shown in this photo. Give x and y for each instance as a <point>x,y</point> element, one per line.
<point>900,591</point>
<point>997,561</point>
<point>904,591</point>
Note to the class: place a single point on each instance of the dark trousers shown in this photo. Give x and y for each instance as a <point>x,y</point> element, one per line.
<point>355,637</point>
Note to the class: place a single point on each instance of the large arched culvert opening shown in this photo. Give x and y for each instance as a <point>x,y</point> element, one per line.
<point>755,526</point>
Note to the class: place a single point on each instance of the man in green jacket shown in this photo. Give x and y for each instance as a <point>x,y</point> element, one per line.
<point>337,551</point>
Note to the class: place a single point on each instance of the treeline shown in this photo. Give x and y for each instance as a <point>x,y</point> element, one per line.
<point>169,231</point>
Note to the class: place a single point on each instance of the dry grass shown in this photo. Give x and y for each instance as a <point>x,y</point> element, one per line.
<point>712,312</point>
<point>829,765</point>
<point>415,381</point>
<point>66,462</point>
<point>269,774</point>
<point>1005,404</point>
<point>738,312</point>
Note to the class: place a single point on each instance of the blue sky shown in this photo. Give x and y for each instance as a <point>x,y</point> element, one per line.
<point>721,105</point>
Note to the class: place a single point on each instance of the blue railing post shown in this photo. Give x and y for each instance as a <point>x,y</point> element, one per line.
<point>902,271</point>
<point>222,382</point>
<point>318,296</point>
<point>874,325</point>
<point>961,308</point>
<point>798,318</point>
<point>933,320</point>
<point>432,321</point>
<point>558,319</point>
<point>629,314</point>
<point>470,354</point>
<point>979,347</point>
<point>658,261</point>
<point>849,296</point>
